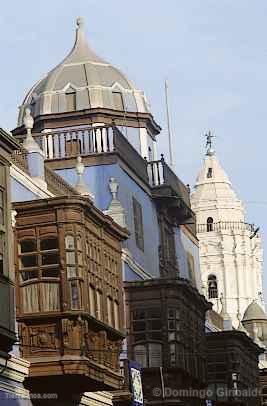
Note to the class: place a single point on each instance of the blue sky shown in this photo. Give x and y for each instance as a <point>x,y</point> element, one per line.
<point>213,53</point>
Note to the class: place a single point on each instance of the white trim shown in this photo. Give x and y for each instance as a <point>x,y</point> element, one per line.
<point>69,85</point>
<point>15,368</point>
<point>127,258</point>
<point>96,399</point>
<point>211,327</point>
<point>143,142</point>
<point>15,390</point>
<point>29,183</point>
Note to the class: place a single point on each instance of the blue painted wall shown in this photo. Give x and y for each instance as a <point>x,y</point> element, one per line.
<point>129,274</point>
<point>183,245</point>
<point>19,192</point>
<point>10,399</point>
<point>97,178</point>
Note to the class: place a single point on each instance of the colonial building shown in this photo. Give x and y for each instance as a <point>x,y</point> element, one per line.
<point>94,206</point>
<point>13,369</point>
<point>230,248</point>
<point>86,128</point>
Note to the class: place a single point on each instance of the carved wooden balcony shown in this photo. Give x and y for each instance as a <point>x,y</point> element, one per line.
<point>69,293</point>
<point>166,335</point>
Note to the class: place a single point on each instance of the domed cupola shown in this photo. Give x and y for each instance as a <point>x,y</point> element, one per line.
<point>255,322</point>
<point>84,82</point>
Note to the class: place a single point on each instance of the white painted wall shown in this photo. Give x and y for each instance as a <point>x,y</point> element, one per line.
<point>229,254</point>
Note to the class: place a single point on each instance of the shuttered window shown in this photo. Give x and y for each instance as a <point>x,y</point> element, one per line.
<point>138,224</point>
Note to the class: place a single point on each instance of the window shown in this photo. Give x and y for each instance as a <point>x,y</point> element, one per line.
<point>212,287</point>
<point>73,271</point>
<point>39,273</point>
<point>147,324</point>
<point>70,100</point>
<point>148,355</point>
<point>118,101</point>
<point>70,256</point>
<point>172,354</point>
<point>138,224</point>
<point>73,146</point>
<point>116,315</point>
<point>209,224</point>
<point>99,306</point>
<point>140,355</point>
<point>209,173</point>
<point>92,302</point>
<point>154,355</point>
<point>174,326</point>
<point>110,312</point>
<point>191,267</point>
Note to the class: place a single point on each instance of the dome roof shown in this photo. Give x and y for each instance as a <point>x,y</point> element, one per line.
<point>94,82</point>
<point>254,312</point>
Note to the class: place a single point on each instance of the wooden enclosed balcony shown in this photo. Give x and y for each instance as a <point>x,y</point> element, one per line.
<point>69,293</point>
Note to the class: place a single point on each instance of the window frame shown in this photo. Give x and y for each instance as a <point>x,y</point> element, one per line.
<point>138,224</point>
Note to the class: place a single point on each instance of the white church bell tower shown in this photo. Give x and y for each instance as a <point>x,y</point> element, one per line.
<point>230,248</point>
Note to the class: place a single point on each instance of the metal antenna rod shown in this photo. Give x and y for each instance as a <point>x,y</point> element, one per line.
<point>168,124</point>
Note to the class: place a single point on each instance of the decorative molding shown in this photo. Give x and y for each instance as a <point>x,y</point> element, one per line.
<point>96,399</point>
<point>138,269</point>
<point>115,209</point>
<point>16,391</point>
<point>29,183</point>
<point>15,369</point>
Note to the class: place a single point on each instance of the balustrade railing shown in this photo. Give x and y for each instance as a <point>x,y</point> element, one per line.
<point>94,140</point>
<point>225,225</point>
<point>159,174</point>
<point>57,185</point>
<point>67,143</point>
<point>19,158</point>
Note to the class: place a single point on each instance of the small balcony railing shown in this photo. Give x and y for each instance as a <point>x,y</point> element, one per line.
<point>160,174</point>
<point>225,226</point>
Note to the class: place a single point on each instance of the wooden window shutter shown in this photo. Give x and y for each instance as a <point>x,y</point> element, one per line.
<point>138,224</point>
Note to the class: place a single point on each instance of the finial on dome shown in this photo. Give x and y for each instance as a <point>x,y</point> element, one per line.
<point>80,22</point>
<point>210,150</point>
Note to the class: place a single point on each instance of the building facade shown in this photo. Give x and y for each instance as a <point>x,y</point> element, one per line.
<point>93,207</point>
<point>87,129</point>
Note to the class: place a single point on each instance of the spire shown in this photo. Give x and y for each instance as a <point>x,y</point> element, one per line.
<point>81,51</point>
<point>81,186</point>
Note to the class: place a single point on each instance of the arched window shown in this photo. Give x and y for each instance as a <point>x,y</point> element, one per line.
<point>212,287</point>
<point>209,173</point>
<point>210,224</point>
